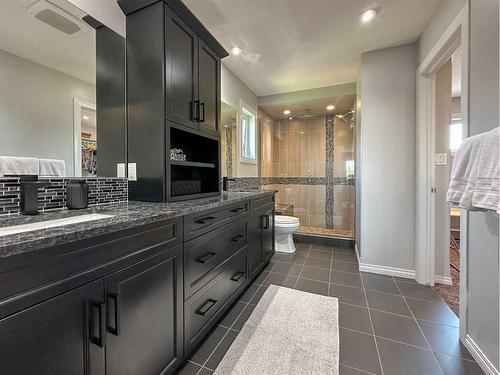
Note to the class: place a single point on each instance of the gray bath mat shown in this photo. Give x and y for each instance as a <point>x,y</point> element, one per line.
<point>289,333</point>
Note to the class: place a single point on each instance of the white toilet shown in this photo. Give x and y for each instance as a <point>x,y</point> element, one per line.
<point>285,227</point>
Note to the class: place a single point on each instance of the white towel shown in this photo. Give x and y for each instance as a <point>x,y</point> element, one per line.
<point>13,165</point>
<point>52,168</point>
<point>486,191</point>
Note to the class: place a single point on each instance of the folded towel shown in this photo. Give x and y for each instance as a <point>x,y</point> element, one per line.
<point>486,190</point>
<point>52,168</point>
<point>13,165</point>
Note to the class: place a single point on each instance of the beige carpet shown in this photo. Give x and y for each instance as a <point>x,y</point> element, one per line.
<point>290,332</point>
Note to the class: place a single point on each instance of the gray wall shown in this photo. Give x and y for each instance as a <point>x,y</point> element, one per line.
<point>387,153</point>
<point>445,13</point>
<point>36,109</point>
<point>483,241</point>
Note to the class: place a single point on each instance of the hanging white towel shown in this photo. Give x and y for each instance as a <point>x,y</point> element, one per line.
<point>486,191</point>
<point>13,165</point>
<point>52,168</point>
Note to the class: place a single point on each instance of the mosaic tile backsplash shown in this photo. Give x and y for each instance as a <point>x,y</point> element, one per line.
<point>102,190</point>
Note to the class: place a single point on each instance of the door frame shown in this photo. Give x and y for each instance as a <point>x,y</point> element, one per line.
<point>456,35</point>
<point>78,104</point>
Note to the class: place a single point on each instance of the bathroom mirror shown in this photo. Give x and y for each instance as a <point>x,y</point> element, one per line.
<point>229,139</point>
<point>62,91</point>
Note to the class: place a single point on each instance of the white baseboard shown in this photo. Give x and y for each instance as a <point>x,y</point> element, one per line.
<point>384,270</point>
<point>480,357</point>
<point>445,280</point>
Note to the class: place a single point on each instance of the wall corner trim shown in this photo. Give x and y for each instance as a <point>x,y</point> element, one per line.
<point>481,359</point>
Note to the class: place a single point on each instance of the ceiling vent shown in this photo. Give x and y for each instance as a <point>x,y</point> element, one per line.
<point>56,17</point>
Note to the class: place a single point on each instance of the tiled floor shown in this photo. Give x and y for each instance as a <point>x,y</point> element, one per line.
<point>388,326</point>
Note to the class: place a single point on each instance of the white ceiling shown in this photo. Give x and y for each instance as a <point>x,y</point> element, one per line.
<point>294,45</point>
<point>23,35</point>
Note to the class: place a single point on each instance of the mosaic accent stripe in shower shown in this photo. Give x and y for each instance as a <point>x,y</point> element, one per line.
<point>102,190</point>
<point>229,152</point>
<point>329,172</point>
<point>249,183</point>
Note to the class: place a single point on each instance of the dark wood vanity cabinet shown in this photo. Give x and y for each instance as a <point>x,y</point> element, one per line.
<point>63,335</point>
<point>260,237</point>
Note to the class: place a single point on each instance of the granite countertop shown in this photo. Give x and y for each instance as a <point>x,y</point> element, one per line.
<point>125,215</point>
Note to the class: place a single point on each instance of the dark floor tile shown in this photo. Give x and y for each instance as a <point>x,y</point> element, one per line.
<point>358,350</point>
<point>380,284</point>
<point>288,268</point>
<point>318,262</point>
<point>322,247</point>
<point>346,294</point>
<point>221,350</point>
<point>345,278</point>
<point>189,368</point>
<point>204,350</point>
<point>297,258</point>
<point>261,277</point>
<point>302,247</point>
<point>444,339</point>
<point>387,302</point>
<point>345,257</point>
<point>238,325</point>
<point>397,328</point>
<point>318,253</point>
<point>280,279</point>
<point>415,290</point>
<point>258,295</point>
<point>233,313</point>
<point>432,311</point>
<point>313,273</point>
<point>249,293</point>
<point>399,359</point>
<point>456,366</point>
<point>371,274</point>
<point>345,266</point>
<point>354,317</point>
<point>312,286</point>
<point>345,370</point>
<point>272,263</point>
<point>205,371</point>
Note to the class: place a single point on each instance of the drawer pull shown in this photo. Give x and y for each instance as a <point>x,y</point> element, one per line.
<point>237,238</point>
<point>265,221</point>
<point>237,209</point>
<point>97,323</point>
<point>203,310</point>
<point>237,276</point>
<point>113,314</point>
<point>205,219</point>
<point>205,257</point>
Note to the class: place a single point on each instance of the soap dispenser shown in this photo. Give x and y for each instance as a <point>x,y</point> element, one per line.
<point>77,194</point>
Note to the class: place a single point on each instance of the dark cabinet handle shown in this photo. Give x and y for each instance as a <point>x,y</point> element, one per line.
<point>237,238</point>
<point>202,119</point>
<point>96,323</point>
<point>203,310</point>
<point>237,209</point>
<point>113,313</point>
<point>237,276</point>
<point>205,219</point>
<point>195,110</point>
<point>204,258</point>
<point>265,222</point>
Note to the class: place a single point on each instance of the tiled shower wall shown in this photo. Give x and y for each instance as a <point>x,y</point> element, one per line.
<point>102,190</point>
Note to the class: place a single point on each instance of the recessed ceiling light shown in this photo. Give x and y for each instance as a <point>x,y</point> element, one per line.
<point>330,107</point>
<point>367,15</point>
<point>235,51</point>
<point>286,112</point>
<point>340,116</point>
<point>301,132</point>
<point>86,117</point>
<point>290,118</point>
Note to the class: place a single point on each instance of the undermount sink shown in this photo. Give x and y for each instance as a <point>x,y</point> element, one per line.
<point>16,229</point>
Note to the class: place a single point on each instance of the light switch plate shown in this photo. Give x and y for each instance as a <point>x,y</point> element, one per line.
<point>440,158</point>
<point>132,171</point>
<point>120,170</point>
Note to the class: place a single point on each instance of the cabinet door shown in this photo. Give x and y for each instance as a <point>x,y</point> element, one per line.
<point>63,335</point>
<point>209,88</point>
<point>254,243</point>
<point>267,220</point>
<point>181,55</point>
<point>144,316</point>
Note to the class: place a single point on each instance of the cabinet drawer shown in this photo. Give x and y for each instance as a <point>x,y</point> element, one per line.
<point>207,252</point>
<point>257,203</point>
<point>199,223</point>
<point>206,306</point>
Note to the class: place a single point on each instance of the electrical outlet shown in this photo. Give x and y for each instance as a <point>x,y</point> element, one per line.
<point>440,159</point>
<point>120,170</point>
<point>132,171</point>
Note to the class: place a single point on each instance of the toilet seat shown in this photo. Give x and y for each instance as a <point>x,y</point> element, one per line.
<point>285,221</point>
